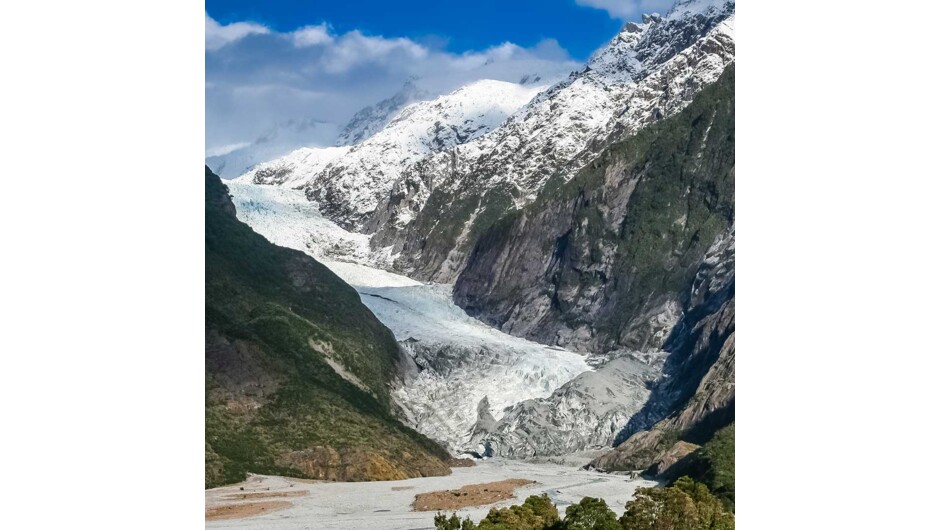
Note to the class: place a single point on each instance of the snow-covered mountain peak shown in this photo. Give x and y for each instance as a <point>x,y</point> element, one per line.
<point>683,25</point>
<point>706,8</point>
<point>373,118</point>
<point>617,58</point>
<point>455,118</point>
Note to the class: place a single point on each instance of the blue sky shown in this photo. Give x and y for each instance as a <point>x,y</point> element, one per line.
<point>273,62</point>
<point>458,26</point>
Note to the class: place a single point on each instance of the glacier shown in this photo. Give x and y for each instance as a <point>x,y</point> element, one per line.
<point>462,362</point>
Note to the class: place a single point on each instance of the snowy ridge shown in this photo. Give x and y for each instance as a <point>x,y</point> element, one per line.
<point>666,90</point>
<point>373,118</point>
<point>349,187</point>
<point>275,142</point>
<point>295,168</point>
<point>687,8</point>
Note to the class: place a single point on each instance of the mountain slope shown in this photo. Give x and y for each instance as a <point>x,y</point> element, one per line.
<point>298,371</point>
<point>647,73</point>
<point>633,255</point>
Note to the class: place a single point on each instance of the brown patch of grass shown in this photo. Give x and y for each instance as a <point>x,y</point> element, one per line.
<point>402,488</point>
<point>249,509</point>
<point>470,495</point>
<point>264,495</point>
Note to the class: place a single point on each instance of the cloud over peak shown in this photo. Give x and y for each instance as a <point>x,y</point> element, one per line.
<point>218,35</point>
<point>628,9</point>
<point>315,73</point>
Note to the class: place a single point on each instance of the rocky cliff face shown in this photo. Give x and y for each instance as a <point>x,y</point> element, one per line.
<point>607,260</point>
<point>696,399</point>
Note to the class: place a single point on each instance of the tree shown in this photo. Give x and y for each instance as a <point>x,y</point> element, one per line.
<point>542,507</point>
<point>713,465</point>
<point>687,505</point>
<point>590,514</point>
<point>442,522</point>
<point>536,513</point>
<point>710,509</point>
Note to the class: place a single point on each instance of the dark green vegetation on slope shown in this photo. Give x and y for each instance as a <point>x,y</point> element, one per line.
<point>713,465</point>
<point>278,327</point>
<point>685,505</point>
<point>588,262</point>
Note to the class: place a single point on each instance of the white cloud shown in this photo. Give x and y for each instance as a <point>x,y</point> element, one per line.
<point>218,35</point>
<point>226,149</point>
<point>312,36</point>
<point>315,74</point>
<point>628,9</point>
<point>354,48</point>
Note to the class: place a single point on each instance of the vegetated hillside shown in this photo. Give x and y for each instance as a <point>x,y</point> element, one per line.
<point>297,369</point>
